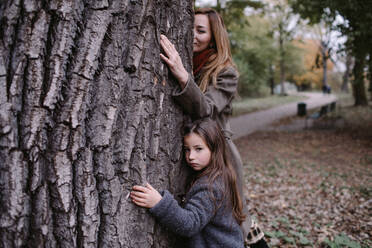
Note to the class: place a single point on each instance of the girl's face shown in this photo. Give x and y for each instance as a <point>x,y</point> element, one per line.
<point>198,155</point>
<point>202,33</point>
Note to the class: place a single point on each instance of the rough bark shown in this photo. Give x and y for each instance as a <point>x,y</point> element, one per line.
<point>369,74</point>
<point>85,113</point>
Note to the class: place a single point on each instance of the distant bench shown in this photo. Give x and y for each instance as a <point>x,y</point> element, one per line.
<point>322,111</point>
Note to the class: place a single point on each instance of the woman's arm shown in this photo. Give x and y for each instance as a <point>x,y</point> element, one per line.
<point>198,104</point>
<point>173,60</point>
<point>193,101</point>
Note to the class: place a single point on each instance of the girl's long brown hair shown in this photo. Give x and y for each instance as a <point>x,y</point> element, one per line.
<point>220,42</point>
<point>220,165</point>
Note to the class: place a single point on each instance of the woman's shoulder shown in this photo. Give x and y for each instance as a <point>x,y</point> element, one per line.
<point>228,77</point>
<point>229,70</point>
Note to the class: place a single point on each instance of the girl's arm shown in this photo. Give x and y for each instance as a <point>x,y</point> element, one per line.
<point>146,197</point>
<point>191,219</point>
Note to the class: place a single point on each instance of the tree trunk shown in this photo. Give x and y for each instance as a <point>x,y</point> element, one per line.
<point>281,60</point>
<point>323,49</point>
<point>370,74</point>
<point>86,113</point>
<point>359,90</point>
<point>346,76</point>
<point>271,78</point>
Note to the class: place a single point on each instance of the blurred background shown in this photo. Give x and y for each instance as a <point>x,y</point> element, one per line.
<point>281,46</point>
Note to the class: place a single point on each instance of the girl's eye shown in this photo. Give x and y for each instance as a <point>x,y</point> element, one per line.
<point>198,149</point>
<point>201,31</point>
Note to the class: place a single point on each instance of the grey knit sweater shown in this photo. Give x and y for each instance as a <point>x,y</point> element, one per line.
<point>199,220</point>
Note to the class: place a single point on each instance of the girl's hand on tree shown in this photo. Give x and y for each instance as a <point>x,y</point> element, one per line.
<point>173,60</point>
<point>146,196</point>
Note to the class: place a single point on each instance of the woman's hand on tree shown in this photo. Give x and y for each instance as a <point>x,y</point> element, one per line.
<point>146,196</point>
<point>173,60</point>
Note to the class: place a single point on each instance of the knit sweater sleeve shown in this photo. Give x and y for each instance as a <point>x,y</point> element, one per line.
<point>198,104</point>
<point>191,219</point>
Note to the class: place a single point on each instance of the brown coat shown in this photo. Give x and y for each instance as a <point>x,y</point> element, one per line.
<point>215,103</point>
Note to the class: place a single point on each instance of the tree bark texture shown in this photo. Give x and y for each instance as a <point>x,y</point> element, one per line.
<point>369,74</point>
<point>85,113</point>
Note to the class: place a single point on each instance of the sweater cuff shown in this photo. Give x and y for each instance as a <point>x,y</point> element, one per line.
<point>161,208</point>
<point>179,91</point>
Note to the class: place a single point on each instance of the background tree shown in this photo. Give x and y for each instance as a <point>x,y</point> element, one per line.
<point>347,72</point>
<point>285,25</point>
<point>311,77</point>
<point>252,34</point>
<point>254,51</point>
<point>323,35</point>
<point>356,27</point>
<point>85,113</point>
<point>232,11</point>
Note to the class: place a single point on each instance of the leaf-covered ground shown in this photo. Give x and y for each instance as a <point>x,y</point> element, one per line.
<point>313,187</point>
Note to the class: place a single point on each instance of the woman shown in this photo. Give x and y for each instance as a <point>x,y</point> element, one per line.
<point>210,90</point>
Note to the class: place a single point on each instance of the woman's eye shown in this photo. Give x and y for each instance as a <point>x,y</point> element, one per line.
<point>198,149</point>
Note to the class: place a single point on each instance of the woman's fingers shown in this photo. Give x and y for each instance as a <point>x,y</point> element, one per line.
<point>164,42</point>
<point>165,59</point>
<point>173,60</point>
<point>167,46</point>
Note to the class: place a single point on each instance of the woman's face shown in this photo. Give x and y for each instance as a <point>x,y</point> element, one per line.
<point>202,33</point>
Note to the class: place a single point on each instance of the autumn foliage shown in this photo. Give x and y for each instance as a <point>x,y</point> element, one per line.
<point>313,74</point>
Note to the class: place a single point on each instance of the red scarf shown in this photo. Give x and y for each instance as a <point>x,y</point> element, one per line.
<point>200,59</point>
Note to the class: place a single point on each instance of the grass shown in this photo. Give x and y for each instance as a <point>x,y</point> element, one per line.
<point>248,105</point>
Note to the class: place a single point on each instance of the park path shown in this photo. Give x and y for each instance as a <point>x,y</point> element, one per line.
<point>261,120</point>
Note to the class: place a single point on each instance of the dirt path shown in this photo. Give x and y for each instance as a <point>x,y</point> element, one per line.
<point>249,123</point>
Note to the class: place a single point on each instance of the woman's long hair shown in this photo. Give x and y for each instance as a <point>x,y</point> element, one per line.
<point>220,166</point>
<point>220,43</point>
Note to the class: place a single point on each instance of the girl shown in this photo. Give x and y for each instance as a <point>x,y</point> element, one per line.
<point>210,90</point>
<point>212,213</point>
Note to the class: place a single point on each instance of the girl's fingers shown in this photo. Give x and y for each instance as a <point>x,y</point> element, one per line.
<point>138,194</point>
<point>138,199</point>
<point>139,203</point>
<point>140,188</point>
<point>149,186</point>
